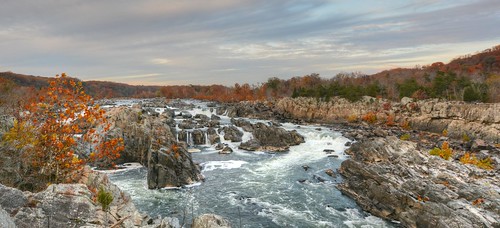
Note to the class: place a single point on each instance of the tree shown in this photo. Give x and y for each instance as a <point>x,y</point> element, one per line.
<point>49,133</point>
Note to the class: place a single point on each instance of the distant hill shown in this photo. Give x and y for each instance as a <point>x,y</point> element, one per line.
<point>474,77</point>
<point>97,89</point>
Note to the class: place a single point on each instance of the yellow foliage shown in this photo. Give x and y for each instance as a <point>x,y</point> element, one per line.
<point>444,152</point>
<point>352,119</point>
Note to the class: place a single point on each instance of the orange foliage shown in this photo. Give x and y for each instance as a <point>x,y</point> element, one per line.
<point>47,133</point>
<point>369,117</point>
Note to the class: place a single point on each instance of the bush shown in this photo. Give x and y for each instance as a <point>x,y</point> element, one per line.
<point>352,119</point>
<point>370,117</point>
<point>444,152</point>
<point>469,158</point>
<point>104,198</point>
<point>485,164</point>
<point>405,137</point>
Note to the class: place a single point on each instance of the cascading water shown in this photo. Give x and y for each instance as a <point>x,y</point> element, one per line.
<point>260,189</point>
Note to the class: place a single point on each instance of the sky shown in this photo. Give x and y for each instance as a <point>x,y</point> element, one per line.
<point>202,42</point>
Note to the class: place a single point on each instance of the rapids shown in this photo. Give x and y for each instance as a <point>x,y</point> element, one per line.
<point>257,189</point>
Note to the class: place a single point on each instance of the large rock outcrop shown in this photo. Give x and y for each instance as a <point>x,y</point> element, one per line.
<point>397,180</point>
<point>151,140</point>
<point>71,205</point>
<point>458,118</point>
<point>268,137</point>
<point>210,221</point>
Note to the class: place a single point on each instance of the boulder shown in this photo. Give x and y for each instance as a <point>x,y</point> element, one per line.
<point>271,138</point>
<point>210,220</point>
<point>198,137</point>
<point>330,172</point>
<point>215,117</point>
<point>226,150</point>
<point>232,133</point>
<point>245,125</point>
<point>213,137</point>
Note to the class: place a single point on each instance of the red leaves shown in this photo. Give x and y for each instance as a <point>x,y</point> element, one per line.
<point>58,113</point>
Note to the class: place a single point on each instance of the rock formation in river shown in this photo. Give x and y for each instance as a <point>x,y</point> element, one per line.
<point>397,180</point>
<point>150,139</point>
<point>268,137</point>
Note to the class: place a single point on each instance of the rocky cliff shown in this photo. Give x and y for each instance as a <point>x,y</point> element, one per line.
<point>150,139</point>
<point>458,118</point>
<point>398,180</point>
<point>73,205</point>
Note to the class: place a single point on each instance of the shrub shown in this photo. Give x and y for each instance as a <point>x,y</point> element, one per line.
<point>445,133</point>
<point>370,117</point>
<point>405,125</point>
<point>104,198</point>
<point>444,152</point>
<point>465,138</point>
<point>390,121</point>
<point>405,137</point>
<point>352,119</point>
<point>485,164</point>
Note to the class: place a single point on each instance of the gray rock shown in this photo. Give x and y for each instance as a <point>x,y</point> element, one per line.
<point>5,220</point>
<point>232,133</point>
<point>226,150</point>
<point>198,137</point>
<point>393,179</point>
<point>211,221</point>
<point>11,199</point>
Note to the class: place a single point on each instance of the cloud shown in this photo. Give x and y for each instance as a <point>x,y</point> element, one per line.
<point>224,41</point>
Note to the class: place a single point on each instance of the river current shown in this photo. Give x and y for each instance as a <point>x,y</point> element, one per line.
<point>258,189</point>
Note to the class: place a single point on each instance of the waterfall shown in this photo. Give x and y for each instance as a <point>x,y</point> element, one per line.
<point>206,138</point>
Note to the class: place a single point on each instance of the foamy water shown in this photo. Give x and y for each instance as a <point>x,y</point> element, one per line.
<point>260,189</point>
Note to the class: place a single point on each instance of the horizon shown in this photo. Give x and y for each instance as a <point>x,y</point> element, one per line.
<point>227,42</point>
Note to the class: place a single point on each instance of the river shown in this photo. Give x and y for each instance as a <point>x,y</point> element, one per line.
<point>257,189</point>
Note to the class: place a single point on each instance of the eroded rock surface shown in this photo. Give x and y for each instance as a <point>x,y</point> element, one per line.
<point>71,205</point>
<point>397,180</point>
<point>151,140</point>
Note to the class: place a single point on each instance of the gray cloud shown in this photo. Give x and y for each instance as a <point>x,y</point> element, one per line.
<point>224,41</point>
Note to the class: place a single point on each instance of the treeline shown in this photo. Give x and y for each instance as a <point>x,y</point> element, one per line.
<point>467,78</point>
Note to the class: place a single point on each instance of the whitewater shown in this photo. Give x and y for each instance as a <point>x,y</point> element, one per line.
<point>258,189</point>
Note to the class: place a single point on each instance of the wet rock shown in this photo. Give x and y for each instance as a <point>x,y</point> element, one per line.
<point>329,151</point>
<point>210,220</point>
<point>186,115</point>
<point>333,156</point>
<point>306,167</point>
<point>219,146</point>
<point>302,181</point>
<point>215,117</point>
<point>202,117</point>
<point>348,144</point>
<point>245,125</point>
<point>198,137</point>
<point>319,178</point>
<point>250,145</point>
<point>226,150</point>
<point>330,172</point>
<point>213,137</point>
<point>187,124</point>
<point>271,138</point>
<point>232,133</point>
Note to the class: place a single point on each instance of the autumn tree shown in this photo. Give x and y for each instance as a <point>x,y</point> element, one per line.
<point>48,136</point>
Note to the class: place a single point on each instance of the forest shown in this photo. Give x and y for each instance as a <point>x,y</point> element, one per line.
<point>471,78</point>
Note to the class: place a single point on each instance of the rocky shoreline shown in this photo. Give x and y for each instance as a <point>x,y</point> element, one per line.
<point>389,177</point>
<point>390,172</point>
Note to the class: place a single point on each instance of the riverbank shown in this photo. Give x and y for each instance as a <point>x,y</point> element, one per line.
<point>391,172</point>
